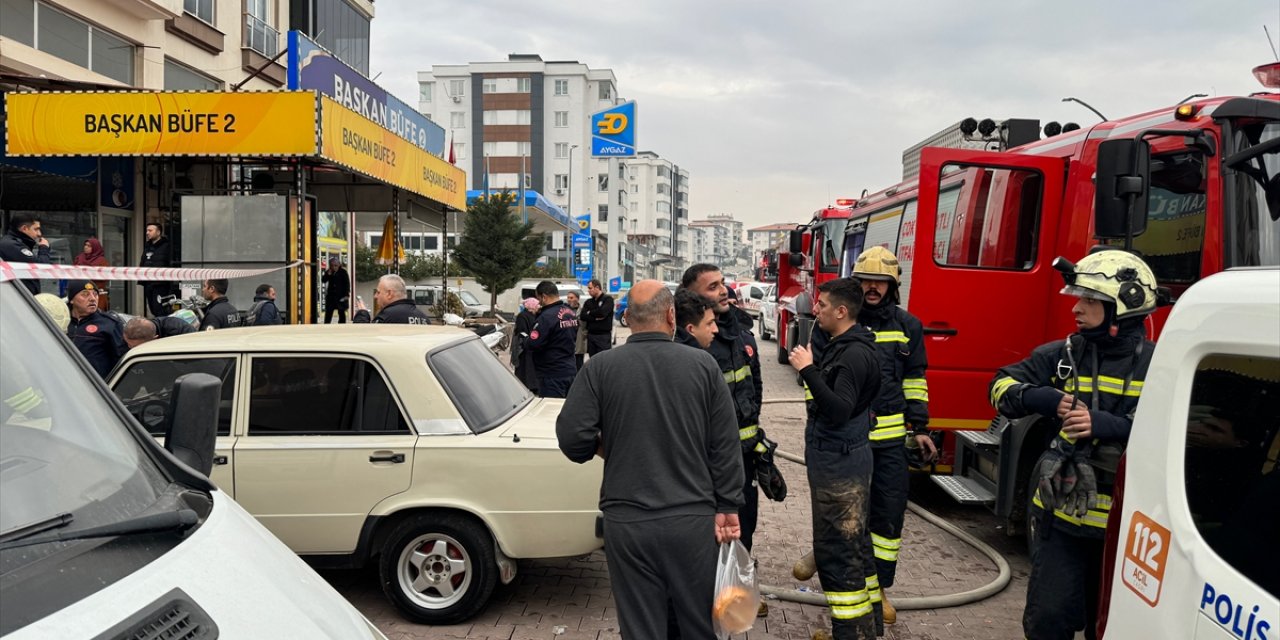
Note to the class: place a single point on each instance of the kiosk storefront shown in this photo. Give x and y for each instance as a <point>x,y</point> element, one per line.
<point>246,179</point>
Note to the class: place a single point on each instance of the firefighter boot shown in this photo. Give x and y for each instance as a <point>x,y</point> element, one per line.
<point>763,611</point>
<point>890,613</point>
<point>805,567</point>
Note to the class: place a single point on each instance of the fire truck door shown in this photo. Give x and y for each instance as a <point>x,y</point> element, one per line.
<point>981,276</point>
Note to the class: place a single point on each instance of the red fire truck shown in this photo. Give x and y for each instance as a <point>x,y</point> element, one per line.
<point>1195,189</point>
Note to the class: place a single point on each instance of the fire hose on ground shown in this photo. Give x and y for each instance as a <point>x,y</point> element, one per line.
<point>904,604</point>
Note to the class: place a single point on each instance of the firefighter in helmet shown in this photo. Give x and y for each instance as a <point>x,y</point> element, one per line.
<point>1088,386</point>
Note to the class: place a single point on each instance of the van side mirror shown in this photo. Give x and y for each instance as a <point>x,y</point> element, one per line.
<point>1121,188</point>
<point>193,420</point>
<point>795,240</point>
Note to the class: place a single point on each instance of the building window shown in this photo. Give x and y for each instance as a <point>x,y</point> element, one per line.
<point>70,39</point>
<point>635,188</point>
<point>664,172</point>
<point>622,171</point>
<point>663,206</point>
<point>459,151</point>
<point>425,89</point>
<point>18,21</point>
<point>490,149</point>
<point>622,197</point>
<point>259,35</point>
<point>606,91</point>
<point>562,181</point>
<point>202,9</point>
<point>507,116</point>
<point>524,85</point>
<point>635,206</point>
<point>342,29</point>
<point>602,181</point>
<point>562,118</point>
<point>430,243</point>
<point>458,120</point>
<point>178,77</point>
<point>603,212</point>
<point>458,88</point>
<point>562,87</point>
<point>562,149</point>
<point>489,85</point>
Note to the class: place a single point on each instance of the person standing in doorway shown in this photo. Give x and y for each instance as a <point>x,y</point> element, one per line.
<point>337,294</point>
<point>157,252</point>
<point>25,243</point>
<point>597,315</point>
<point>93,256</point>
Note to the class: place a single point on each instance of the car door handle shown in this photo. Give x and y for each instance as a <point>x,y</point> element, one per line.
<point>219,460</point>
<point>396,458</point>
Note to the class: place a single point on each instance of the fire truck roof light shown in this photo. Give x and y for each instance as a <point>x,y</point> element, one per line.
<point>845,202</point>
<point>1268,75</point>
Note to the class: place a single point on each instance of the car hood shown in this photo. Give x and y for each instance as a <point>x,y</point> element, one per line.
<point>538,420</point>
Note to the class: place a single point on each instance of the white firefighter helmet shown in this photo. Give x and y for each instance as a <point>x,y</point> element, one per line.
<point>1112,276</point>
<point>56,308</point>
<point>877,263</point>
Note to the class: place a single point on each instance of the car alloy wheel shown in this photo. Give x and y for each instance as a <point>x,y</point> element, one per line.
<point>439,570</point>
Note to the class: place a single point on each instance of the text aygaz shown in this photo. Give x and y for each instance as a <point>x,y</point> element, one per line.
<point>185,122</point>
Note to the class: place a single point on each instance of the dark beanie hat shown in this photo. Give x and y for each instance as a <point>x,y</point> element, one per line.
<point>74,287</point>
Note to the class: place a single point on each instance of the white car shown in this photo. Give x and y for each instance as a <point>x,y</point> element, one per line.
<point>408,446</point>
<point>769,313</point>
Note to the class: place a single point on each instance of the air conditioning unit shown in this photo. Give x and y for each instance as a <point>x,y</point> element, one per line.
<point>456,98</point>
<point>559,192</point>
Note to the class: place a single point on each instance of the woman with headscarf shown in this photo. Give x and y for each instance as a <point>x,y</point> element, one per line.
<point>521,355</point>
<point>94,256</point>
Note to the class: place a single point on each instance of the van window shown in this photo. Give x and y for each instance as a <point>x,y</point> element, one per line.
<point>424,297</point>
<point>1232,479</point>
<point>326,395</point>
<point>1174,238</point>
<point>992,219</point>
<point>147,385</point>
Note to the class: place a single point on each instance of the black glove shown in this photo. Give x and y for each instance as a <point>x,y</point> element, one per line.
<point>1084,496</point>
<point>1048,476</point>
<point>772,484</point>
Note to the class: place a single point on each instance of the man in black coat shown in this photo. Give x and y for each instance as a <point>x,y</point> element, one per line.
<point>264,313</point>
<point>394,305</point>
<point>25,243</point>
<point>597,318</point>
<point>219,313</point>
<point>552,341</point>
<point>138,331</point>
<point>97,335</point>
<point>157,251</point>
<point>338,294</point>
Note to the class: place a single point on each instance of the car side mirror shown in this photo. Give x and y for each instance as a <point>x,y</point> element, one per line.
<point>192,431</point>
<point>1121,188</point>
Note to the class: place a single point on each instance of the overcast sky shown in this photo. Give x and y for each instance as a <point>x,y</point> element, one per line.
<point>777,108</point>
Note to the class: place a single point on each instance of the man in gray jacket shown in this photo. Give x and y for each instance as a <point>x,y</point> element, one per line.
<point>660,415</point>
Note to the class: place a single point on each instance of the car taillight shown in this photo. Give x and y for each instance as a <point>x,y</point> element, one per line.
<point>1111,546</point>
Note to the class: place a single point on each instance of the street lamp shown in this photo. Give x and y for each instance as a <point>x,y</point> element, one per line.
<point>568,263</point>
<point>570,185</point>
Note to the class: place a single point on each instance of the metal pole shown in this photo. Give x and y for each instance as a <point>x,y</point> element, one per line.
<point>444,251</point>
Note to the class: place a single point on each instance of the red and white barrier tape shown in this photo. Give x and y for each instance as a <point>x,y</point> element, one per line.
<point>37,271</point>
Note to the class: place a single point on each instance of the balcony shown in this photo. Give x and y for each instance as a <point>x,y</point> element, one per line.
<point>261,37</point>
<point>150,9</point>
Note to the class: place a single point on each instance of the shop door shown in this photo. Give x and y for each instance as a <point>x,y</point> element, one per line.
<point>118,246</point>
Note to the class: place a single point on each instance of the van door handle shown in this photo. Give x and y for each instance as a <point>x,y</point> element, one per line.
<point>219,460</point>
<point>940,331</point>
<point>395,458</point>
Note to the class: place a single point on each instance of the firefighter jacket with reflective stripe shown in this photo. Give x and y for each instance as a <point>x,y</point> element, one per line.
<point>903,403</point>
<point>1107,379</point>
<point>843,383</point>
<point>734,349</point>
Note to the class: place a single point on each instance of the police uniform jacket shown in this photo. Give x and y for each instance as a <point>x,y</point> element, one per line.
<point>1107,380</point>
<point>100,338</point>
<point>402,311</point>
<point>734,349</point>
<point>15,246</point>
<point>167,326</point>
<point>220,314</point>
<point>903,402</point>
<point>552,342</point>
<point>841,387</point>
<point>597,315</point>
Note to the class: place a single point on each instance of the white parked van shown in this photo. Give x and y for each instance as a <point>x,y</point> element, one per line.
<point>104,534</point>
<point>1191,546</point>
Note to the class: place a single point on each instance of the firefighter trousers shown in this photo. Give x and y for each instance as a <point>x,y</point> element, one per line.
<point>888,508</point>
<point>750,511</point>
<point>1062,594</point>
<point>839,488</point>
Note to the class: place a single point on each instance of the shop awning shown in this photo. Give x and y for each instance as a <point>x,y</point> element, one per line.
<point>225,124</point>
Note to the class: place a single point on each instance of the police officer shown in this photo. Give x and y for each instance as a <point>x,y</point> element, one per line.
<point>735,351</point>
<point>393,302</point>
<point>157,252</point>
<point>552,342</point>
<point>1088,385</point>
<point>24,242</point>
<point>842,385</point>
<point>219,313</point>
<point>98,336</point>
<point>903,404</point>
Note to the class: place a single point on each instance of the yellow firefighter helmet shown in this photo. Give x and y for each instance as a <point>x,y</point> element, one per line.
<point>1112,276</point>
<point>877,263</point>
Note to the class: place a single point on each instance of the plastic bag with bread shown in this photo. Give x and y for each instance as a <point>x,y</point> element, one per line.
<point>737,596</point>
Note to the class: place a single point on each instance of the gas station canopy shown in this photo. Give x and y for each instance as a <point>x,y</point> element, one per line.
<point>544,214</point>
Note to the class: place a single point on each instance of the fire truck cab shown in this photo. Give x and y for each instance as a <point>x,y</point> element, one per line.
<point>1194,189</point>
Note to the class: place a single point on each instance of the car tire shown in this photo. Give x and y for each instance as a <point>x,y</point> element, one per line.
<point>439,569</point>
<point>764,332</point>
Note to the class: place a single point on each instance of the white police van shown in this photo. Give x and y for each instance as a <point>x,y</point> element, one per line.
<point>104,534</point>
<point>1193,546</point>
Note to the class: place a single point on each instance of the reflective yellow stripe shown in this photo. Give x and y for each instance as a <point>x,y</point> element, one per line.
<point>739,375</point>
<point>1105,384</point>
<point>840,612</point>
<point>889,427</point>
<point>747,433</point>
<point>887,543</point>
<point>875,595</point>
<point>891,420</point>
<point>847,597</point>
<point>808,395</point>
<point>1094,517</point>
<point>25,400</point>
<point>891,336</point>
<point>997,390</point>
<point>873,581</point>
<point>915,389</point>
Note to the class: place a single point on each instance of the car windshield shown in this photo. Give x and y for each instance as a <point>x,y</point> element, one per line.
<point>66,450</point>
<point>468,298</point>
<point>484,391</point>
